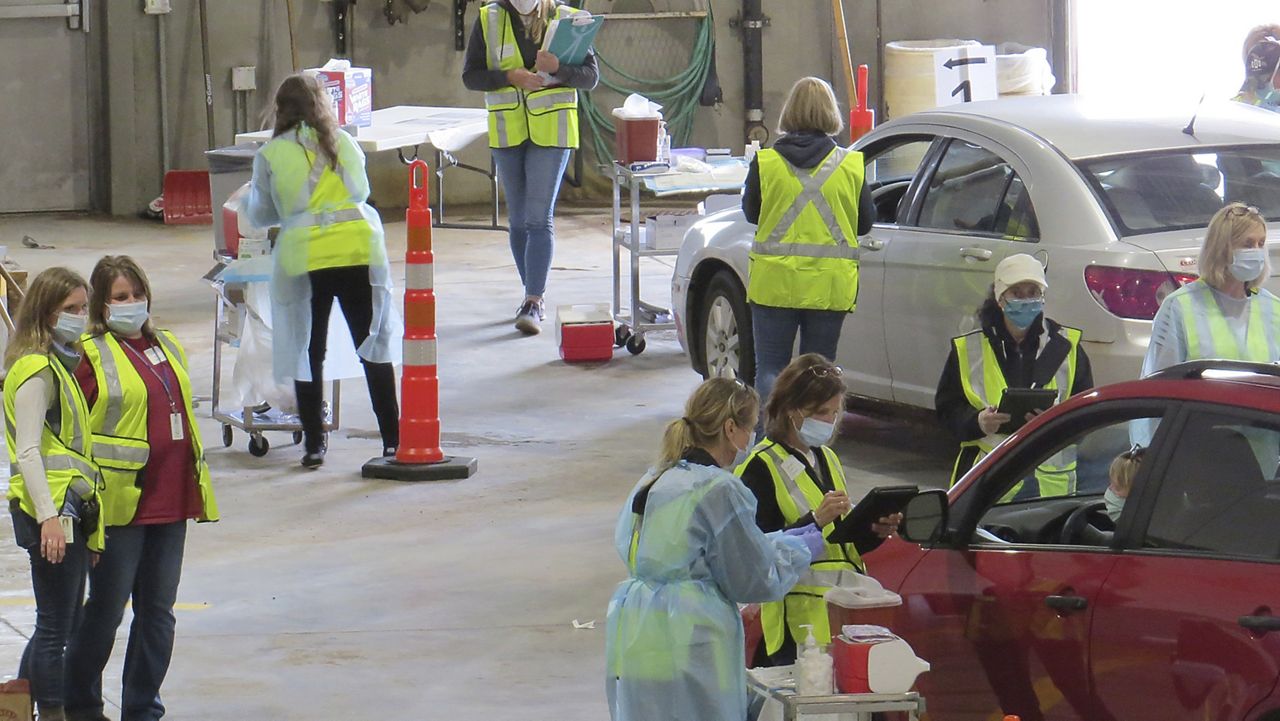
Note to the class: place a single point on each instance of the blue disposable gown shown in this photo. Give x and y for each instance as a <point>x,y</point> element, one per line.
<point>674,644</point>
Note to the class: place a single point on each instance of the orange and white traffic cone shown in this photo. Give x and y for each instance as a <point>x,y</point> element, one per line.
<point>419,457</point>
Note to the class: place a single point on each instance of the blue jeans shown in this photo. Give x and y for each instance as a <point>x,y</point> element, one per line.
<point>530,176</point>
<point>59,591</point>
<point>144,562</point>
<point>774,330</point>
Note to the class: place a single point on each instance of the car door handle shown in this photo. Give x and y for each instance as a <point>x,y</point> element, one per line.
<point>871,244</point>
<point>975,253</point>
<point>1260,623</point>
<point>1066,603</point>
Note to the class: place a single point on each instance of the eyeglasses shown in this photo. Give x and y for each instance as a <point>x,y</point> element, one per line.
<point>1239,209</point>
<point>824,371</point>
<point>1135,453</point>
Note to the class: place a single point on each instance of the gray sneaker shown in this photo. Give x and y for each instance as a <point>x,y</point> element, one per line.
<point>529,317</point>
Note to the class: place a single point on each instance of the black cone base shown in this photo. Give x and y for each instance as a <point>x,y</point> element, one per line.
<point>452,468</point>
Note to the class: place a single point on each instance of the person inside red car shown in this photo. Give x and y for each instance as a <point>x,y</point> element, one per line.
<point>1017,347</point>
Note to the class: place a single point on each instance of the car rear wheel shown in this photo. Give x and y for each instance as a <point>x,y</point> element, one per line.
<point>725,322</point>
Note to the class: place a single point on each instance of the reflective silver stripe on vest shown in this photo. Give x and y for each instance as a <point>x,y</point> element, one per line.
<point>65,462</point>
<point>1268,308</point>
<point>502,97</point>
<point>811,192</point>
<point>419,276</point>
<point>493,36</point>
<point>788,482</point>
<point>313,178</point>
<point>108,451</point>
<point>547,99</point>
<point>562,129</point>
<point>79,426</point>
<point>805,250</point>
<point>500,127</point>
<point>420,352</point>
<point>114,391</point>
<point>973,361</point>
<point>329,217</point>
<point>170,347</point>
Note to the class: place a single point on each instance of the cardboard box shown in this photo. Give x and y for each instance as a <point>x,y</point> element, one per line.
<point>584,332</point>
<point>352,92</point>
<point>666,230</point>
<point>15,701</point>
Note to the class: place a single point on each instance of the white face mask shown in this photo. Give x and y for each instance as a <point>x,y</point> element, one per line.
<point>69,328</point>
<point>525,7</point>
<point>815,432</point>
<point>1115,504</point>
<point>127,318</point>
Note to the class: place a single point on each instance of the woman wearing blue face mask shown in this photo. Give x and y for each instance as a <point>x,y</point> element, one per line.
<point>53,489</point>
<point>797,480</point>
<point>1226,313</point>
<point>135,381</point>
<point>1016,347</point>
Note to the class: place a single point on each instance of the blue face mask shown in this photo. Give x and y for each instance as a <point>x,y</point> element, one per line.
<point>1023,312</point>
<point>1247,264</point>
<point>69,328</point>
<point>815,432</point>
<point>1114,503</point>
<point>127,318</point>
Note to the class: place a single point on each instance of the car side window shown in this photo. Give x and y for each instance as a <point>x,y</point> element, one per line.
<point>1220,494</point>
<point>1035,500</point>
<point>968,192</point>
<point>889,172</point>
<point>1016,219</point>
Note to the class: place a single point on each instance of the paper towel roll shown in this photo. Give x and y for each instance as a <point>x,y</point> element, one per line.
<point>909,78</point>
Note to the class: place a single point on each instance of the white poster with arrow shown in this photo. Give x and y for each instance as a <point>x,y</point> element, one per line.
<point>964,73</point>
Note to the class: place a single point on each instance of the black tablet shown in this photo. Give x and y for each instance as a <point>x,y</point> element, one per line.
<point>1018,402</point>
<point>879,502</point>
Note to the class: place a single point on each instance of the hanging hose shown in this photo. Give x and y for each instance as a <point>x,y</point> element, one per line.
<point>678,94</point>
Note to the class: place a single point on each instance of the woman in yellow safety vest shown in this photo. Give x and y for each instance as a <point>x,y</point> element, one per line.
<point>53,489</point>
<point>798,480</point>
<point>135,380</point>
<point>809,204</point>
<point>674,641</point>
<point>1226,313</point>
<point>1016,347</point>
<point>532,99</point>
<point>310,179</point>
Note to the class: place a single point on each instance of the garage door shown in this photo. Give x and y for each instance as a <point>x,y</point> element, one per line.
<point>44,108</point>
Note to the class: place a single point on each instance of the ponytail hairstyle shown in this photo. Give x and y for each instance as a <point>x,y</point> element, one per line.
<point>104,275</point>
<point>33,333</point>
<point>805,384</point>
<point>301,99</point>
<point>702,426</point>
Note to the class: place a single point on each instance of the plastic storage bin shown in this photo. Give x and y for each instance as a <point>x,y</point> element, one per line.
<point>637,139</point>
<point>584,332</point>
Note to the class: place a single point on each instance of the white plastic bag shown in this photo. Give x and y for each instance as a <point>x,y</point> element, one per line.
<point>638,107</point>
<point>1023,70</point>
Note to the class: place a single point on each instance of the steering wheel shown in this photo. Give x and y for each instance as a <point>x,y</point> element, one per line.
<point>1090,515</point>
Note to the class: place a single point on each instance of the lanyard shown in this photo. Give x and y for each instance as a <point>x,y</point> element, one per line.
<point>173,407</point>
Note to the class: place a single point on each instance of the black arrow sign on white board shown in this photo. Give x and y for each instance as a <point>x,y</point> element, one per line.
<point>953,63</point>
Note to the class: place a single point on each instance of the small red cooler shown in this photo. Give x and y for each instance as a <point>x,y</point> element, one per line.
<point>584,332</point>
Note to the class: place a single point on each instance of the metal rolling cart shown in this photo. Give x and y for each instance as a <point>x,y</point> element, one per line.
<point>254,420</point>
<point>859,705</point>
<point>640,317</point>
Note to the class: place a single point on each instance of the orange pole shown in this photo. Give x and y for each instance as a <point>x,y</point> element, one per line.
<point>419,384</point>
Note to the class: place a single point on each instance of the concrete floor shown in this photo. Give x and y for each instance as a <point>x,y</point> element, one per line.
<point>321,595</point>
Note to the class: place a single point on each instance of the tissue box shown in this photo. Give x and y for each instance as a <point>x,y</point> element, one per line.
<point>584,332</point>
<point>352,92</point>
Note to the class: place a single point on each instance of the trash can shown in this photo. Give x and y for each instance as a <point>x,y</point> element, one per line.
<point>229,168</point>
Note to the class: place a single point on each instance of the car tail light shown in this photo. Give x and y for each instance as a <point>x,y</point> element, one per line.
<point>1132,293</point>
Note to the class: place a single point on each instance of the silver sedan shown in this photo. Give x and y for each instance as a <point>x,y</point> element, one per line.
<point>1113,200</point>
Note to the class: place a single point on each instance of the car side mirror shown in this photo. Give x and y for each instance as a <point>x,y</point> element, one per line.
<point>924,517</point>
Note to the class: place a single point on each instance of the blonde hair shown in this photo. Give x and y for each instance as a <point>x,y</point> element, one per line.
<point>1123,470</point>
<point>1229,225</point>
<point>804,385</point>
<point>536,25</point>
<point>104,275</point>
<point>811,105</point>
<point>32,330</point>
<point>702,426</point>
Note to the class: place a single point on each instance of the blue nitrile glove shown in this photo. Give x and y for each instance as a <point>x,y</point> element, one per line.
<point>813,540</point>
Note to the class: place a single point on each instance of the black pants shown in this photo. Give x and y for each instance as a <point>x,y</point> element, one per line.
<point>350,286</point>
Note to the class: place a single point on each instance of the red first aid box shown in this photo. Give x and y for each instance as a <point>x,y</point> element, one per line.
<point>584,332</point>
<point>351,90</point>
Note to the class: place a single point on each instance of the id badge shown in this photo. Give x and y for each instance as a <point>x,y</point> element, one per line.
<point>68,528</point>
<point>156,356</point>
<point>176,431</point>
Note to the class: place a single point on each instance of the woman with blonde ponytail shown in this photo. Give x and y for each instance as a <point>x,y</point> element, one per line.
<point>688,535</point>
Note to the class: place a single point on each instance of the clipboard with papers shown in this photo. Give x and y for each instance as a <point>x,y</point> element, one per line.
<point>570,38</point>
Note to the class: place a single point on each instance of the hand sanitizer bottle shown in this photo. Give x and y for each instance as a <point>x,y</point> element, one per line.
<point>813,668</point>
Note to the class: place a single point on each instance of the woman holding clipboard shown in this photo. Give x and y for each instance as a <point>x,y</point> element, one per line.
<point>1017,347</point>
<point>532,99</point>
<point>797,481</point>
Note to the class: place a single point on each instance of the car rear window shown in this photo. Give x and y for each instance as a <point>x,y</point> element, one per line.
<point>1175,190</point>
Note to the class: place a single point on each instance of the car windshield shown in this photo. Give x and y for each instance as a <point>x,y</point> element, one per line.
<point>1175,190</point>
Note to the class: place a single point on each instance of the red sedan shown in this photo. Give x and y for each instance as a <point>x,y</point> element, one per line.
<point>1160,602</point>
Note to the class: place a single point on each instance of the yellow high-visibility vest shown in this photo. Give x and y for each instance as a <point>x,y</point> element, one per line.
<point>1209,336</point>
<point>66,445</point>
<point>983,382</point>
<point>798,494</point>
<point>548,117</point>
<point>805,253</point>
<point>118,420</point>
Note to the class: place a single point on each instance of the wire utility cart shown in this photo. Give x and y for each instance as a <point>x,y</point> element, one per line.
<point>640,317</point>
<point>860,705</point>
<point>254,420</point>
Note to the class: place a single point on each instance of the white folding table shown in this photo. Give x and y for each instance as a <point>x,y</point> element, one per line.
<point>446,130</point>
